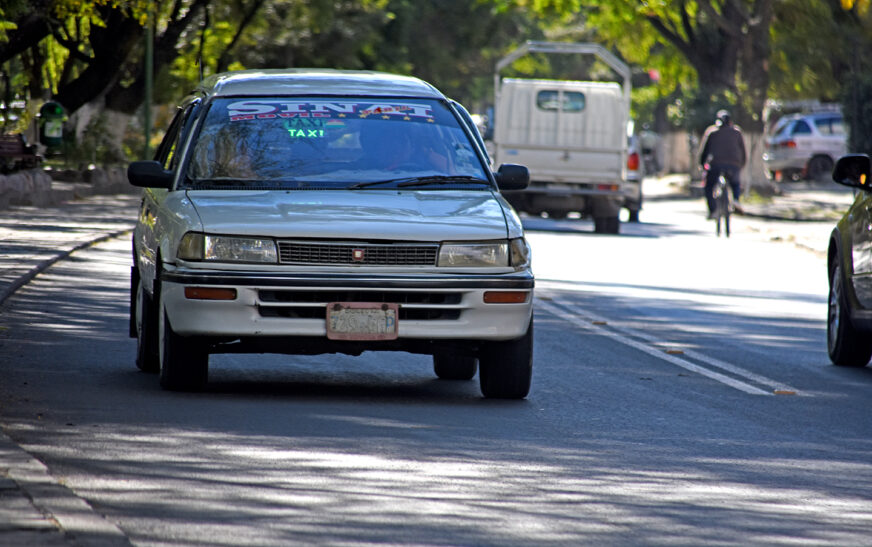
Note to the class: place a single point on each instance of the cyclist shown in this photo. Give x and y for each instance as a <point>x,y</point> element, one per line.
<point>722,151</point>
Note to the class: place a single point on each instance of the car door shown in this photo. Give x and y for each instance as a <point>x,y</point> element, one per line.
<point>861,247</point>
<point>148,225</point>
<point>832,140</point>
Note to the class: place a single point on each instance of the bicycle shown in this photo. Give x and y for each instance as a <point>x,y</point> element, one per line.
<point>721,193</point>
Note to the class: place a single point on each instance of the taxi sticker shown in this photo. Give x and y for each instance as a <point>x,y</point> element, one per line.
<point>305,127</point>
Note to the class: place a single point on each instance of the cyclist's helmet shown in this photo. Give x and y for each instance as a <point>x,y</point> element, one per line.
<point>723,117</point>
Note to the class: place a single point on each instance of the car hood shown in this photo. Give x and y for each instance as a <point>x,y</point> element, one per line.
<point>344,214</point>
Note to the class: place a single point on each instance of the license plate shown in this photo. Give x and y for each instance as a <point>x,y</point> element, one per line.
<point>362,321</point>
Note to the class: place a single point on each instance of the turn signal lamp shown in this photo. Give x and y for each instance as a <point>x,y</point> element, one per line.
<point>209,293</point>
<point>505,297</point>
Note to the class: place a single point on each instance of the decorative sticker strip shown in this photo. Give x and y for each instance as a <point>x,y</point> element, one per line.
<point>266,109</point>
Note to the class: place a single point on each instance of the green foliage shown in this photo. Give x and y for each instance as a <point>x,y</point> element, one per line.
<point>455,44</point>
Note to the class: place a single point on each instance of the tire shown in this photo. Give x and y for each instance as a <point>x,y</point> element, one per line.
<point>454,367</point>
<point>506,368</point>
<point>145,325</point>
<point>725,208</point>
<point>846,345</point>
<point>607,225</point>
<point>633,215</point>
<point>184,364</point>
<point>820,168</point>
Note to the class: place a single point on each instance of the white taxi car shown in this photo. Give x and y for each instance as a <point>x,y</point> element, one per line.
<point>321,211</point>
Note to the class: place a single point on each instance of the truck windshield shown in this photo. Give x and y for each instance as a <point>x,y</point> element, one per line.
<point>306,142</point>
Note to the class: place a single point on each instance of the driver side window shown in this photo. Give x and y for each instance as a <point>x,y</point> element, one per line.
<point>167,152</point>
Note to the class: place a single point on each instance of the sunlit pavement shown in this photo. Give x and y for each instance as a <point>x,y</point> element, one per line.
<point>31,238</point>
<point>32,503</point>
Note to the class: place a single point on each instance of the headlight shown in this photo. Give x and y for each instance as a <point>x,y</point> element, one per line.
<point>226,248</point>
<point>474,255</point>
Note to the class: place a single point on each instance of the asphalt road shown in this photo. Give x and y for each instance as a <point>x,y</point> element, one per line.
<point>682,395</point>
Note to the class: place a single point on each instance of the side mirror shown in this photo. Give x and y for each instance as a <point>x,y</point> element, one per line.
<point>512,177</point>
<point>149,174</point>
<point>853,170</point>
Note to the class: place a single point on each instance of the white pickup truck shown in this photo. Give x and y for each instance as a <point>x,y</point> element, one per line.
<point>571,135</point>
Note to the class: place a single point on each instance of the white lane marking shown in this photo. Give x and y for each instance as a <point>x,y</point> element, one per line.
<point>717,363</point>
<point>623,336</point>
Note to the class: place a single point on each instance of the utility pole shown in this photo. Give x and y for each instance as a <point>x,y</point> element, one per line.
<point>149,72</point>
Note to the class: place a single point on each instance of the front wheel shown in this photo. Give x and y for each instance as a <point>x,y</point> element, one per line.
<point>184,363</point>
<point>847,346</point>
<point>506,368</point>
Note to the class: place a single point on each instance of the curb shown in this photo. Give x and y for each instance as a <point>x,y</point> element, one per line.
<point>62,511</point>
<point>6,292</point>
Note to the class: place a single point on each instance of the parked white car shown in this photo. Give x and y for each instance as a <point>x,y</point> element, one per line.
<point>806,146</point>
<point>318,211</point>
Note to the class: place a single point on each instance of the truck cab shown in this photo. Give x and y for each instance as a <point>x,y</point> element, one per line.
<point>571,135</point>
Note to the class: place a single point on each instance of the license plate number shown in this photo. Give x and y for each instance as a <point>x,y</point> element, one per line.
<point>362,321</point>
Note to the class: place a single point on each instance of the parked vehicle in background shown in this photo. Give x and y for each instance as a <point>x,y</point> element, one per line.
<point>849,263</point>
<point>805,146</point>
<point>319,211</point>
<point>570,134</point>
<point>635,174</point>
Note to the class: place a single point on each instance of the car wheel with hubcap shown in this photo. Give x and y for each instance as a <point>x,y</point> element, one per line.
<point>184,363</point>
<point>846,345</point>
<point>506,367</point>
<point>448,366</point>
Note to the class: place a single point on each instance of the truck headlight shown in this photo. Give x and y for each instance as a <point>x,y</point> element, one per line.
<point>220,248</point>
<point>474,255</point>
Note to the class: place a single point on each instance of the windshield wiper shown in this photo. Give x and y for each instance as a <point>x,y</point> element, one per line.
<point>425,180</point>
<point>441,179</point>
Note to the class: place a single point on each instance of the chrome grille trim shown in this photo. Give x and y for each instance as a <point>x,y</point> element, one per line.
<point>343,253</point>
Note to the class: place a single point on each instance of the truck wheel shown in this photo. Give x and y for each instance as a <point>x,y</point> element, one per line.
<point>607,225</point>
<point>454,367</point>
<point>505,368</point>
<point>847,346</point>
<point>184,365</point>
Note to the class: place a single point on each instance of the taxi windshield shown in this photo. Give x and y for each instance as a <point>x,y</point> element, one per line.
<point>311,142</point>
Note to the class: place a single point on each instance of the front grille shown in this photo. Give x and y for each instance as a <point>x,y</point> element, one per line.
<point>321,313</point>
<point>354,254</point>
<point>271,296</point>
<point>414,305</point>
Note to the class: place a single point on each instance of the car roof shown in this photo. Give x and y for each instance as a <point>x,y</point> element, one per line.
<point>302,81</point>
<point>814,115</point>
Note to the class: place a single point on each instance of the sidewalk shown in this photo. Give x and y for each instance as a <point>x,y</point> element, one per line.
<point>35,509</point>
<point>794,201</point>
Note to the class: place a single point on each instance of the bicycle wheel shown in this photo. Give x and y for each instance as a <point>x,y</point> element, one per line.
<point>725,207</point>
<point>719,209</point>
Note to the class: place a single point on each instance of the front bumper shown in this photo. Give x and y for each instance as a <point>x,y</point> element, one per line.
<point>431,307</point>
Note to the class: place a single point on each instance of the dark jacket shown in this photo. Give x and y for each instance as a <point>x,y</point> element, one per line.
<point>723,145</point>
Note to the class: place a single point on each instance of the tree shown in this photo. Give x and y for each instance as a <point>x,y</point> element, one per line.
<point>725,42</point>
